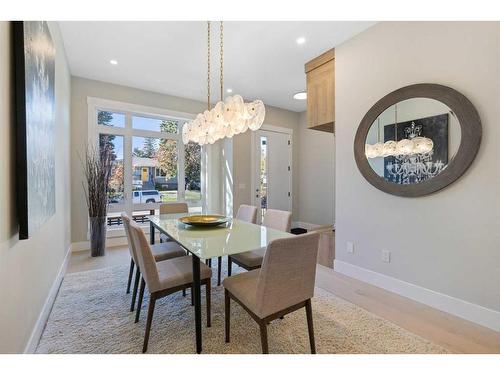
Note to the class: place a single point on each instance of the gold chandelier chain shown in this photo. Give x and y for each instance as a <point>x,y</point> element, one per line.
<point>208,65</point>
<point>221,61</point>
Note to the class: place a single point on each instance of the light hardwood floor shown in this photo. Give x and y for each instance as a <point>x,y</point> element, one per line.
<point>455,334</point>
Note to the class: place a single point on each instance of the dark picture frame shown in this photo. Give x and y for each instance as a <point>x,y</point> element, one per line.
<point>470,140</point>
<point>34,71</point>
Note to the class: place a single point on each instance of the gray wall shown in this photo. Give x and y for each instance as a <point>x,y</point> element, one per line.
<point>28,268</point>
<point>316,175</point>
<point>449,241</point>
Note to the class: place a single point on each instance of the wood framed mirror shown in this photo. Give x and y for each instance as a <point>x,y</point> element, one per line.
<point>417,140</point>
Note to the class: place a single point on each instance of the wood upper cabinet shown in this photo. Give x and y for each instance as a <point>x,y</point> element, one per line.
<point>320,76</point>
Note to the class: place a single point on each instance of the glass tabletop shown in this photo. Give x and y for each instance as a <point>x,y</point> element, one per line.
<point>232,238</point>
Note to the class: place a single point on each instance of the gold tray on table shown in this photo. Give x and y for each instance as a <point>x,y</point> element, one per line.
<point>204,220</point>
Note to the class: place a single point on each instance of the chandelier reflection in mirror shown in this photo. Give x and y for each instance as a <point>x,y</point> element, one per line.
<point>229,117</point>
<point>413,144</point>
<point>416,167</point>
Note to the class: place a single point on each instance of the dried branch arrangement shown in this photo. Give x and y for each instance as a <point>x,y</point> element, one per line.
<point>97,170</point>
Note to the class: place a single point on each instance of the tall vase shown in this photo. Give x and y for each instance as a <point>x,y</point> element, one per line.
<point>97,236</point>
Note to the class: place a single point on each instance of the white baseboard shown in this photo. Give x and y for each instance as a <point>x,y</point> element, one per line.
<point>454,306</point>
<point>36,334</point>
<point>85,245</point>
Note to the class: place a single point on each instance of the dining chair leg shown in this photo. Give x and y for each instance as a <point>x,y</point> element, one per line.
<point>130,274</point>
<point>136,285</point>
<point>229,266</point>
<point>219,269</point>
<point>139,302</point>
<point>310,327</point>
<point>184,292</point>
<point>208,289</point>
<point>263,337</point>
<point>152,301</point>
<point>192,297</point>
<point>227,313</point>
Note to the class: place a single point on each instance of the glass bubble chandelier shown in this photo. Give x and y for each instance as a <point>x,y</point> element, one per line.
<point>414,144</point>
<point>228,117</point>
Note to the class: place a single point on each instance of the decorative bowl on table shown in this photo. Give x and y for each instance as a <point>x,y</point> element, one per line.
<point>204,220</point>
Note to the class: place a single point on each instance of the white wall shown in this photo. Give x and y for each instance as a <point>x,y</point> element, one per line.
<point>242,159</point>
<point>448,242</point>
<point>29,268</point>
<point>316,175</point>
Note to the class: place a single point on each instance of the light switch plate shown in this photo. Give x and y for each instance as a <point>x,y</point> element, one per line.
<point>350,247</point>
<point>386,256</point>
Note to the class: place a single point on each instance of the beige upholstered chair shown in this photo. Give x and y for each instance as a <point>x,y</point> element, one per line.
<point>250,260</point>
<point>172,208</point>
<point>164,278</point>
<point>245,213</point>
<point>160,252</point>
<point>284,284</point>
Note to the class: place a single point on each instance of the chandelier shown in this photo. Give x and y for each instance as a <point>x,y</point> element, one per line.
<point>412,145</point>
<point>412,169</point>
<point>229,117</point>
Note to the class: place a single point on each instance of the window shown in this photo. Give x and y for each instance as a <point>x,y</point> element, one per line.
<point>263,177</point>
<point>150,165</point>
<point>113,144</point>
<point>155,124</point>
<point>192,173</point>
<point>107,118</point>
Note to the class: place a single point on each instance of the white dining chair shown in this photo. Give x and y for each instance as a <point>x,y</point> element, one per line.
<point>250,260</point>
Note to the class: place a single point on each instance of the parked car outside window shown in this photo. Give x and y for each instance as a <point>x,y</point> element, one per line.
<point>146,196</point>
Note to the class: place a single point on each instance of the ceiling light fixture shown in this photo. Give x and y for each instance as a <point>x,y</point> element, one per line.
<point>113,62</point>
<point>302,95</point>
<point>301,40</point>
<point>227,118</point>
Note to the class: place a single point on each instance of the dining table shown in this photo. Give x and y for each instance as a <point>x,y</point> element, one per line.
<point>203,243</point>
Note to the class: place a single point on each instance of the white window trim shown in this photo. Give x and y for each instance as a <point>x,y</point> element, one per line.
<point>129,109</point>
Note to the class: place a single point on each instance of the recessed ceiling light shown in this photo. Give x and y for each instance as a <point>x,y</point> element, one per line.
<point>300,95</point>
<point>113,62</point>
<point>229,91</point>
<point>301,40</point>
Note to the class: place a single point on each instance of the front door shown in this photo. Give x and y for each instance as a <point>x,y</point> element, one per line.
<point>272,180</point>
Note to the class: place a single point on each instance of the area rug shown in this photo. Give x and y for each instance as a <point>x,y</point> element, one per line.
<point>91,315</point>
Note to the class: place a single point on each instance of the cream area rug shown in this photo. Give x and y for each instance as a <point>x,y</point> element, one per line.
<point>91,315</point>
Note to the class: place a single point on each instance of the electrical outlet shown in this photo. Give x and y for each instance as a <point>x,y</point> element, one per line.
<point>386,256</point>
<point>350,247</point>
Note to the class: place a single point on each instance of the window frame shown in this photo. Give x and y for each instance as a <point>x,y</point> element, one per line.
<point>128,132</point>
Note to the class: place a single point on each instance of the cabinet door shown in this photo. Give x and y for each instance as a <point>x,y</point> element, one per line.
<point>320,95</point>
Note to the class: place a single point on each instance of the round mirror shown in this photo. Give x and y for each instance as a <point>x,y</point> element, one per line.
<point>417,140</point>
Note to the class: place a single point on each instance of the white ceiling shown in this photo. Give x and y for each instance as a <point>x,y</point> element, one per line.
<point>261,59</point>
